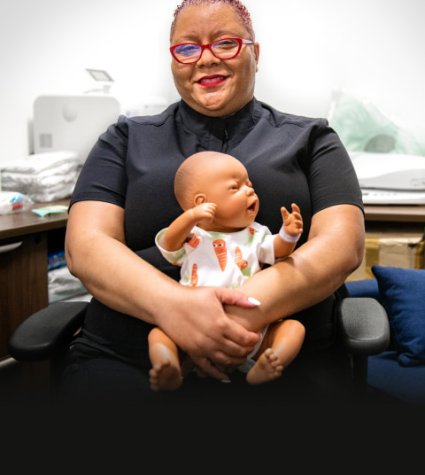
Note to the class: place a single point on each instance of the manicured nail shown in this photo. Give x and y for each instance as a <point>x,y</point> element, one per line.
<point>254,301</point>
<point>225,381</point>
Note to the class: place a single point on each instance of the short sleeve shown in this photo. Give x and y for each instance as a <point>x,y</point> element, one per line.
<point>103,175</point>
<point>265,241</point>
<point>332,178</point>
<point>173,257</point>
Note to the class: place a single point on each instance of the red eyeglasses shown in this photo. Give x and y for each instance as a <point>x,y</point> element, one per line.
<point>226,48</point>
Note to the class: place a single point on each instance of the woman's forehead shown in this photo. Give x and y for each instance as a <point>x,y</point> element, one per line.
<point>216,18</point>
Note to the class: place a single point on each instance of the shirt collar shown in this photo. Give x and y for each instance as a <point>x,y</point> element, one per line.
<point>213,131</point>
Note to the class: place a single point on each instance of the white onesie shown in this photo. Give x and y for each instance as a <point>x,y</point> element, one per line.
<point>222,260</point>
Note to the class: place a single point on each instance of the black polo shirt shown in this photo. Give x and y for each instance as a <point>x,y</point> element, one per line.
<point>289,159</point>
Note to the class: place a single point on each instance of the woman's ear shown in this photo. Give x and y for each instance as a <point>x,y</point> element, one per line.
<point>199,198</point>
<point>257,53</point>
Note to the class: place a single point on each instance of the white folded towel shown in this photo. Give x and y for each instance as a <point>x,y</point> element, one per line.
<point>39,162</point>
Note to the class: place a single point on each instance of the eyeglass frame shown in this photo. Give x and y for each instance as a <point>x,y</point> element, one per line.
<point>241,42</point>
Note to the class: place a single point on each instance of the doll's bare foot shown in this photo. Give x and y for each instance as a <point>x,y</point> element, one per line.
<point>266,368</point>
<point>165,374</point>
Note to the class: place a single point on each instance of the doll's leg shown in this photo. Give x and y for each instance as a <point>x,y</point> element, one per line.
<point>280,346</point>
<point>165,373</point>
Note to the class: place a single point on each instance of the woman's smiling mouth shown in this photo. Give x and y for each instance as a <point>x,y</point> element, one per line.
<point>211,81</point>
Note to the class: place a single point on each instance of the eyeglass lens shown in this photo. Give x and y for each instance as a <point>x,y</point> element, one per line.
<point>223,49</point>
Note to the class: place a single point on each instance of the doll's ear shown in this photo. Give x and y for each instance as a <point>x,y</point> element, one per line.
<point>199,198</point>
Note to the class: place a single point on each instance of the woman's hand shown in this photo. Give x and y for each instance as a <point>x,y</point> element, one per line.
<point>199,326</point>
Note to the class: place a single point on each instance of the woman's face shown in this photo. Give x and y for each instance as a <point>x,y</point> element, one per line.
<point>212,86</point>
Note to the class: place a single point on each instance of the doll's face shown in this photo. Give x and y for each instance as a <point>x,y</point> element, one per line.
<point>226,183</point>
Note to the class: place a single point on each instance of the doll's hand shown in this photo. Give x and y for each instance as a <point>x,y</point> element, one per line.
<point>204,212</point>
<point>292,222</point>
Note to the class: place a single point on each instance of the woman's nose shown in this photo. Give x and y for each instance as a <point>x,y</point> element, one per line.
<point>207,57</point>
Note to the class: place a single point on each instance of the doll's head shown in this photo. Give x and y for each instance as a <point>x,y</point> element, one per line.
<point>214,177</point>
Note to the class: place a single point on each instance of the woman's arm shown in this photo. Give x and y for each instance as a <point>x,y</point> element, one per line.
<point>194,318</point>
<point>311,273</point>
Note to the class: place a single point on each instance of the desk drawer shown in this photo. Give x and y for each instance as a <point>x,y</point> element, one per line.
<point>23,282</point>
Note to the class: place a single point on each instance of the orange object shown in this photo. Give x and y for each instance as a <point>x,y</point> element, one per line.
<point>239,260</point>
<point>194,276</point>
<point>194,241</point>
<point>220,250</point>
<point>251,234</point>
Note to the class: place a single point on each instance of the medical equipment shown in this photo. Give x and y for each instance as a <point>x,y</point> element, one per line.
<point>62,122</point>
<point>390,178</point>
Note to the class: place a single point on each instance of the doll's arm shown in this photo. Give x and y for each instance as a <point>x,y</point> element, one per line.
<point>179,230</point>
<point>290,232</point>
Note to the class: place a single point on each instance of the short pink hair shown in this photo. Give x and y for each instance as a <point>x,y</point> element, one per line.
<point>239,8</point>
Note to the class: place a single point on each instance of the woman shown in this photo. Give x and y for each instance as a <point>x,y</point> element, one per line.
<point>124,196</point>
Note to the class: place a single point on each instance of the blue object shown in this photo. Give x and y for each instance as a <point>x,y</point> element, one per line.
<point>385,371</point>
<point>406,383</point>
<point>56,259</point>
<point>403,295</point>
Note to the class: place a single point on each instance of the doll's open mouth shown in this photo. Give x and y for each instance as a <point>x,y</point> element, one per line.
<point>252,207</point>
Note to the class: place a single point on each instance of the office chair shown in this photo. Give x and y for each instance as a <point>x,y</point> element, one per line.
<point>362,328</point>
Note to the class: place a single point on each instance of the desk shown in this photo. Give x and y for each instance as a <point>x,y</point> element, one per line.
<point>399,214</point>
<point>25,240</point>
<point>393,219</point>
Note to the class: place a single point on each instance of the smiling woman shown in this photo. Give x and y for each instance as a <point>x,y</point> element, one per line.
<point>211,83</point>
<point>110,240</point>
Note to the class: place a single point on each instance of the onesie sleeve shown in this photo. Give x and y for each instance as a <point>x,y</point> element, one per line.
<point>173,257</point>
<point>265,245</point>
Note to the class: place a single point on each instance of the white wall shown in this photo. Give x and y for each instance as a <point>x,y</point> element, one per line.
<point>309,48</point>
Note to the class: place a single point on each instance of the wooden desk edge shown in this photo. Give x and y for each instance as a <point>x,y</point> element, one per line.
<point>26,222</point>
<point>407,214</point>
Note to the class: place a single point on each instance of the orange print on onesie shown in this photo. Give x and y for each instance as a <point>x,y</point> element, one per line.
<point>194,241</point>
<point>220,250</point>
<point>194,276</point>
<point>239,260</point>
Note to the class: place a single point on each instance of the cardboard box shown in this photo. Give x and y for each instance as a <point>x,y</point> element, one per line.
<point>402,249</point>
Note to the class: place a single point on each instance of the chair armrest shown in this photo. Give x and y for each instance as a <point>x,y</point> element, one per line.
<point>46,332</point>
<point>364,326</point>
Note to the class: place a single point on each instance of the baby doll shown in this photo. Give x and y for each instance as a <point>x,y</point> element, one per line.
<point>217,242</point>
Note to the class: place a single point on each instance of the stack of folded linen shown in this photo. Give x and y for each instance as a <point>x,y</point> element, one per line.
<point>62,285</point>
<point>43,177</point>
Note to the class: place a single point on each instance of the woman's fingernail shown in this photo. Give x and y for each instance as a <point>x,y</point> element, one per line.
<point>226,381</point>
<point>254,301</point>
